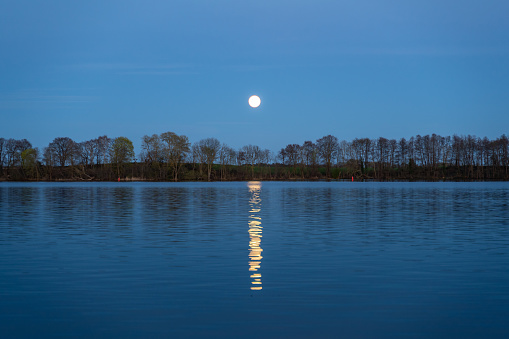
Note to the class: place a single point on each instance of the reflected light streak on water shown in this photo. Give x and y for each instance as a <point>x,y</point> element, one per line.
<point>255,234</point>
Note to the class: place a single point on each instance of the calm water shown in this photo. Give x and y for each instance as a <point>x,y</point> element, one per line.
<point>254,260</point>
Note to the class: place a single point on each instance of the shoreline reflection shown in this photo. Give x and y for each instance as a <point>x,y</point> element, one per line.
<point>255,235</point>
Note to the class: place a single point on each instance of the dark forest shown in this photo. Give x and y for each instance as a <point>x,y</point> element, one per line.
<point>171,157</point>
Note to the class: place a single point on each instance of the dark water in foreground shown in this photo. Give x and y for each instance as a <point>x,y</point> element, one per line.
<point>254,260</point>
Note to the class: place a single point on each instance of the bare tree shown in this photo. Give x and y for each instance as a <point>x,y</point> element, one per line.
<point>343,152</point>
<point>152,155</point>
<point>10,153</point>
<point>281,155</point>
<point>2,155</point>
<point>76,154</point>
<point>102,146</point>
<point>240,158</point>
<point>327,149</point>
<point>264,158</point>
<point>381,147</point>
<point>151,149</point>
<point>88,152</point>
<point>292,152</point>
<point>252,156</point>
<point>197,157</point>
<point>50,160</point>
<point>208,150</point>
<point>362,148</point>
<point>310,153</point>
<point>457,149</point>
<point>63,148</point>
<point>504,147</point>
<point>393,147</point>
<point>227,157</point>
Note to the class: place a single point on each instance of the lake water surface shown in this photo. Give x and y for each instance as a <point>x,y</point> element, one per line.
<point>254,260</point>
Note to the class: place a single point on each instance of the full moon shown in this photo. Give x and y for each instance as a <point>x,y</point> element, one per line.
<point>254,101</point>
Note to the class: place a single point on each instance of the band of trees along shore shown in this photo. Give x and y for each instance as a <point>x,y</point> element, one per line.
<point>172,157</point>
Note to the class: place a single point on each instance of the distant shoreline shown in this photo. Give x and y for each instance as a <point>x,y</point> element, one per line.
<point>170,157</point>
<point>262,180</point>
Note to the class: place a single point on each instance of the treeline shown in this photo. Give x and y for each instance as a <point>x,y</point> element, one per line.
<point>172,157</point>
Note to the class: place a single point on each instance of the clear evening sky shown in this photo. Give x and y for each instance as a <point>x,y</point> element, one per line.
<point>371,68</point>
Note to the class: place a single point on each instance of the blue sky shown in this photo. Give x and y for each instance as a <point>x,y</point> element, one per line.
<point>361,68</point>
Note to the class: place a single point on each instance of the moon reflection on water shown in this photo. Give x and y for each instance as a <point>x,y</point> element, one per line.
<point>255,235</point>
